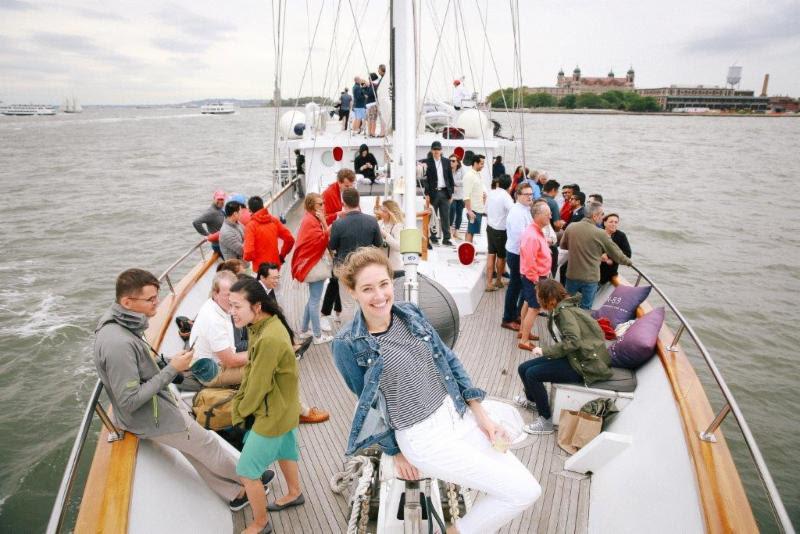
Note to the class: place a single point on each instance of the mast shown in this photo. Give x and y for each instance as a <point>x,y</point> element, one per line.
<point>404,145</point>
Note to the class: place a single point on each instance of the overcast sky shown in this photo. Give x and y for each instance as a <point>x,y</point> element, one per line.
<point>147,51</point>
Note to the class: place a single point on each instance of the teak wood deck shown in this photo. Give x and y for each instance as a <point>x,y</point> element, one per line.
<point>485,350</point>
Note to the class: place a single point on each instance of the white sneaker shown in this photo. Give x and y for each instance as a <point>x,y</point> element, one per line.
<point>523,402</point>
<point>337,317</point>
<point>324,338</point>
<point>325,323</point>
<point>307,333</point>
<point>539,427</point>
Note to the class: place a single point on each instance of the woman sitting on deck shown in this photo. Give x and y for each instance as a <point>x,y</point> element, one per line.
<point>268,401</point>
<point>413,394</point>
<point>579,355</point>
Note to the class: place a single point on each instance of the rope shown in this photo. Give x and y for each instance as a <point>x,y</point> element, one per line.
<point>471,72</point>
<point>433,61</point>
<point>360,468</point>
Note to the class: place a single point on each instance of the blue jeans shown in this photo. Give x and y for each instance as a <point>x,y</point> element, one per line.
<point>511,308</point>
<point>538,370</point>
<point>456,211</point>
<point>587,290</point>
<point>311,311</point>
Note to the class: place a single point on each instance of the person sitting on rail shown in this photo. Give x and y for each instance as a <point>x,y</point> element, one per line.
<point>418,403</point>
<point>138,389</point>
<point>213,334</point>
<point>267,405</point>
<point>210,221</point>
<point>579,354</point>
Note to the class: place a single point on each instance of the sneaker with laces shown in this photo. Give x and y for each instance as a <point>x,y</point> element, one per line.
<point>539,427</point>
<point>323,338</point>
<point>523,402</point>
<point>325,323</point>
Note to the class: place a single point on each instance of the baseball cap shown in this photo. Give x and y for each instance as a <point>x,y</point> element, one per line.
<point>436,145</point>
<point>219,194</point>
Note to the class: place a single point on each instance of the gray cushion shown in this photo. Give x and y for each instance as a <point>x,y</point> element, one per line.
<point>623,380</point>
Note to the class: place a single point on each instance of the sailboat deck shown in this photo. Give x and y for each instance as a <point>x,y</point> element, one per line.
<point>486,351</point>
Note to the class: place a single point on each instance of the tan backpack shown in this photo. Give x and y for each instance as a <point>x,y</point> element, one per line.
<point>212,407</point>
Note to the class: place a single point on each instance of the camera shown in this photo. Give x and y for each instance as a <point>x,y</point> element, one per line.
<point>161,362</point>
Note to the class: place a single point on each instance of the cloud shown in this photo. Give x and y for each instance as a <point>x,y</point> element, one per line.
<point>83,46</point>
<point>16,5</point>
<point>181,46</point>
<point>197,26</point>
<point>95,13</point>
<point>753,34</point>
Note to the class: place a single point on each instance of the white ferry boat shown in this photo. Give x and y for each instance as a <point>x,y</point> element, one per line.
<point>27,109</point>
<point>222,108</point>
<point>662,465</point>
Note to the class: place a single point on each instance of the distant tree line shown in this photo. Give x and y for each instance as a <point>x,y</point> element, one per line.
<point>302,101</point>
<point>621,100</point>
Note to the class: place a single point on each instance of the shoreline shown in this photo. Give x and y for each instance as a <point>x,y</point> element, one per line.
<point>557,111</point>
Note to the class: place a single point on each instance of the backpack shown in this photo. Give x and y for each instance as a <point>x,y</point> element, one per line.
<point>212,407</point>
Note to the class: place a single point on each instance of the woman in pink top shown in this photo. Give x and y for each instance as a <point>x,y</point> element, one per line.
<point>535,261</point>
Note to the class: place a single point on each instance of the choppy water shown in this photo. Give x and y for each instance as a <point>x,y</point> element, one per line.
<point>709,205</point>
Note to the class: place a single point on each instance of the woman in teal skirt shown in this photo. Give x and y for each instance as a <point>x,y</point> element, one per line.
<point>268,401</point>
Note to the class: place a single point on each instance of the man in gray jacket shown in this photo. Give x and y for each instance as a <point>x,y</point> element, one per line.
<point>143,404</point>
<point>210,221</point>
<point>231,235</point>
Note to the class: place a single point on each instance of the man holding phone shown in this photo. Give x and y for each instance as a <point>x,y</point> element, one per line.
<point>138,389</point>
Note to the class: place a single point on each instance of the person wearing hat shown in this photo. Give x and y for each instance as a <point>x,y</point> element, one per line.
<point>210,221</point>
<point>365,163</point>
<point>439,187</point>
<point>459,94</point>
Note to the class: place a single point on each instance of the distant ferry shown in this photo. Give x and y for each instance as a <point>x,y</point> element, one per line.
<point>691,110</point>
<point>27,109</point>
<point>225,108</point>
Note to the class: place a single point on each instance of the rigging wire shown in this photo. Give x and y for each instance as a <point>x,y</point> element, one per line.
<point>433,61</point>
<point>518,67</point>
<point>472,74</point>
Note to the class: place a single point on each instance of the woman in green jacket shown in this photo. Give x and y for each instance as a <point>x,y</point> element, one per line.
<point>268,401</point>
<point>579,354</point>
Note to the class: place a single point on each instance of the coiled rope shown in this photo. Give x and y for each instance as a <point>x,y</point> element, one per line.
<point>356,468</point>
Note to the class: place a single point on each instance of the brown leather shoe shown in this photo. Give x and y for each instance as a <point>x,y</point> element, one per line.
<point>315,415</point>
<point>526,346</point>
<point>531,336</point>
<point>511,325</point>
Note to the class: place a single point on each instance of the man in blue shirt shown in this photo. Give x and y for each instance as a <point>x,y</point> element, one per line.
<point>359,104</point>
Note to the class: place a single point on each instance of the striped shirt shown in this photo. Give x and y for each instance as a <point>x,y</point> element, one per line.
<point>410,381</point>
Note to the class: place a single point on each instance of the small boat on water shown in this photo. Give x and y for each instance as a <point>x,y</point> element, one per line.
<point>71,105</point>
<point>220,108</point>
<point>661,465</point>
<point>22,110</point>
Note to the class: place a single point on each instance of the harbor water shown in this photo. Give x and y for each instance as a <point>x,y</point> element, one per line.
<point>708,204</point>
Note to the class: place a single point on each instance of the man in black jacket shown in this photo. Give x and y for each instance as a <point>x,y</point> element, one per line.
<point>439,187</point>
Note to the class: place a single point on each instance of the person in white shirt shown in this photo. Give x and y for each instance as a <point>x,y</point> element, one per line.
<point>212,334</point>
<point>498,205</point>
<point>518,219</point>
<point>459,94</point>
<point>474,196</point>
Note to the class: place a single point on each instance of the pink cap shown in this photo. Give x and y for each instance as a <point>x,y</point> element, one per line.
<point>219,194</point>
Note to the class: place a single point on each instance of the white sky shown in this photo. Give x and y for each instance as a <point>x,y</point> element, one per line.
<point>126,52</point>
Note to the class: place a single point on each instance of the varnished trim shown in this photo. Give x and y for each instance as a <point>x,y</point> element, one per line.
<point>105,506</point>
<point>726,507</point>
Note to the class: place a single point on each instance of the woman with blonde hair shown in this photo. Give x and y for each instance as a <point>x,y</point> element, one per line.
<point>391,222</point>
<point>417,402</point>
<point>311,264</point>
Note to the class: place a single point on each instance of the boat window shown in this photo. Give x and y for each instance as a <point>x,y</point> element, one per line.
<point>327,158</point>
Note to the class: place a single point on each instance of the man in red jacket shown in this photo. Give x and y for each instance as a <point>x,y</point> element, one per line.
<point>332,196</point>
<point>261,236</point>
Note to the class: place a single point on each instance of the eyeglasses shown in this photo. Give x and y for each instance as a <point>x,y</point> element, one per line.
<point>453,161</point>
<point>151,300</point>
<point>524,194</point>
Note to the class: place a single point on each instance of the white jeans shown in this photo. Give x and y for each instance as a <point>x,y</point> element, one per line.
<point>454,449</point>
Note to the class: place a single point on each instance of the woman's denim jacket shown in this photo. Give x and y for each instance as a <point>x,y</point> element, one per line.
<point>358,359</point>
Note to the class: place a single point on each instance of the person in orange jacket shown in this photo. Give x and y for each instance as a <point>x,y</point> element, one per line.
<point>261,236</point>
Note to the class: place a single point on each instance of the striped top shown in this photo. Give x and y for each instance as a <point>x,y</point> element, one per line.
<point>410,381</point>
